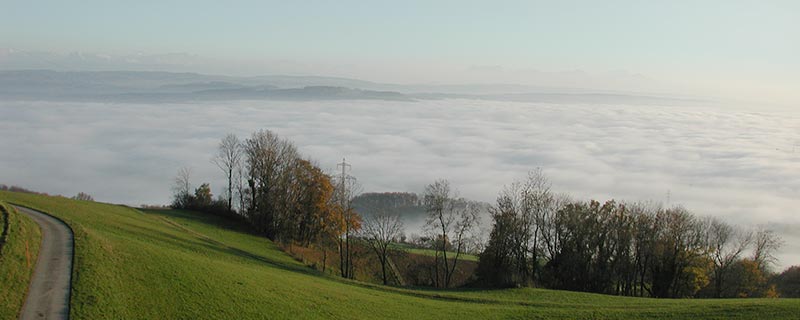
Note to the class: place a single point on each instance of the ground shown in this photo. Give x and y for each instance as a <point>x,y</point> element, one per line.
<point>136,264</point>
<point>19,247</point>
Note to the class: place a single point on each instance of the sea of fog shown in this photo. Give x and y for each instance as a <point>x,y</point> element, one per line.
<point>742,165</point>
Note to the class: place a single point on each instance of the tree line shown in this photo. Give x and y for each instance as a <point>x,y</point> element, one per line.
<point>80,196</point>
<point>282,195</point>
<point>540,238</point>
<point>289,199</point>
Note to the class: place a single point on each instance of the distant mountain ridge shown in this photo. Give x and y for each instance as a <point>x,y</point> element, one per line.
<point>140,86</point>
<point>157,86</point>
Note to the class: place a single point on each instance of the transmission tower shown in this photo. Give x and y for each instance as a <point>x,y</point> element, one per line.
<point>344,165</point>
<point>669,196</point>
<point>345,168</point>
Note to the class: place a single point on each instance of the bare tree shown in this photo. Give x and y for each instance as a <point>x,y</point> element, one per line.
<point>644,238</point>
<point>381,229</point>
<point>537,205</point>
<point>228,159</point>
<point>450,220</point>
<point>181,188</point>
<point>347,188</point>
<point>83,196</point>
<point>521,214</point>
<point>549,226</point>
<point>270,160</point>
<point>467,220</point>
<point>727,244</point>
<point>766,242</point>
<point>241,189</point>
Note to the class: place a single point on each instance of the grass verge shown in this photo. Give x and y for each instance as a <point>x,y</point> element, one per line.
<point>19,247</point>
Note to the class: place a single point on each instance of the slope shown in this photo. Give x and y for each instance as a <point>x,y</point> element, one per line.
<point>136,264</point>
<point>19,247</point>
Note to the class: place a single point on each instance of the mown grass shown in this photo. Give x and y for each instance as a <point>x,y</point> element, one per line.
<point>18,252</point>
<point>133,264</point>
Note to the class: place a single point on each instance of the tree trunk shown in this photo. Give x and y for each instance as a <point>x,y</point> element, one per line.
<point>324,259</point>
<point>230,189</point>
<point>342,268</point>
<point>444,250</point>
<point>383,269</point>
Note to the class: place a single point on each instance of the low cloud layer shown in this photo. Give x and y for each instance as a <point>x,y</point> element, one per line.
<point>737,164</point>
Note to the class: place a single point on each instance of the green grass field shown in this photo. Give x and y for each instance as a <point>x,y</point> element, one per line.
<point>17,259</point>
<point>134,264</point>
<point>431,252</point>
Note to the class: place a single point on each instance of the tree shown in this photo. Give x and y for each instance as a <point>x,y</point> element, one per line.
<point>270,160</point>
<point>315,218</point>
<point>536,205</point>
<point>331,225</point>
<point>726,245</point>
<point>587,255</point>
<point>766,242</point>
<point>617,248</point>
<point>83,197</point>
<point>748,280</point>
<point>497,263</point>
<point>180,189</point>
<point>679,242</point>
<point>288,198</point>
<point>381,229</point>
<point>241,188</point>
<point>228,159</point>
<point>202,196</point>
<point>643,230</point>
<point>450,220</point>
<point>347,188</point>
<point>519,217</point>
<point>311,192</point>
<point>788,282</point>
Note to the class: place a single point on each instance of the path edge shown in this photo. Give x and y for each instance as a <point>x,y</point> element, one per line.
<point>72,256</point>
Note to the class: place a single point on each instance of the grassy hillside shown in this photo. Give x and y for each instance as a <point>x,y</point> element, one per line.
<point>20,238</point>
<point>136,264</point>
<point>431,252</point>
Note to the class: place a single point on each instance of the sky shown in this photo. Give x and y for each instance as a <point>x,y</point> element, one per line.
<point>739,50</point>
<point>739,163</point>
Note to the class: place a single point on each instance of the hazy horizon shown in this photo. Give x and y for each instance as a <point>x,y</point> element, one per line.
<point>740,51</point>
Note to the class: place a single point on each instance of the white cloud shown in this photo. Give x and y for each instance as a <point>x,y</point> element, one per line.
<point>740,165</point>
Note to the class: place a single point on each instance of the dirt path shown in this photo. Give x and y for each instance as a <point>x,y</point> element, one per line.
<point>48,295</point>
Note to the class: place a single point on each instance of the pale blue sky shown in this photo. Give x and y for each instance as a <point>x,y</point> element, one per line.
<point>742,43</point>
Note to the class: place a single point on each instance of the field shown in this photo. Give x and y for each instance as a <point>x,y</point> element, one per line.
<point>431,252</point>
<point>19,247</point>
<point>134,264</point>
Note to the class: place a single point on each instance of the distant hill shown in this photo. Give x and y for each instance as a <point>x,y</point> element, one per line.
<point>155,87</point>
<point>407,205</point>
<point>128,86</point>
